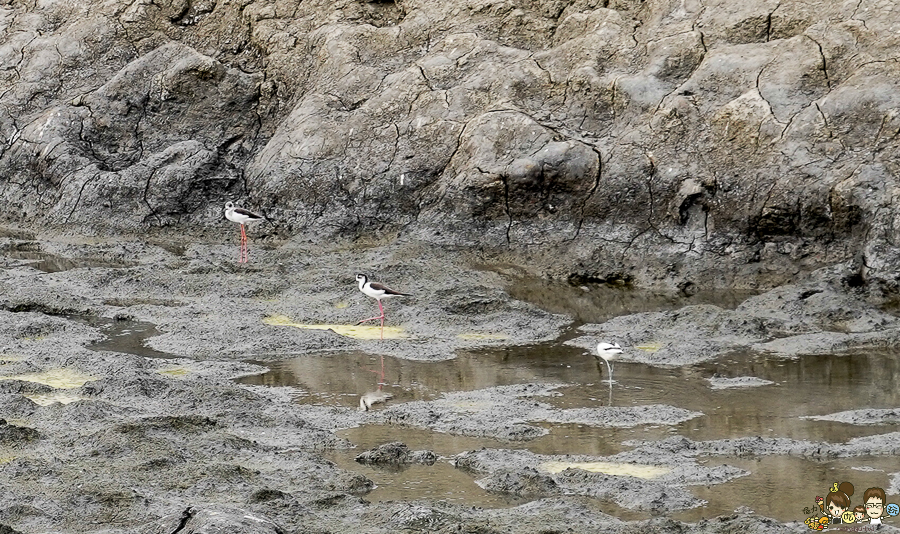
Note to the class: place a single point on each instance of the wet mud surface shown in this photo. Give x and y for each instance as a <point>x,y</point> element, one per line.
<point>147,387</point>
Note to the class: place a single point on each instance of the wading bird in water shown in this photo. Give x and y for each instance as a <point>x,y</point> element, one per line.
<point>377,292</point>
<point>241,216</point>
<point>608,352</point>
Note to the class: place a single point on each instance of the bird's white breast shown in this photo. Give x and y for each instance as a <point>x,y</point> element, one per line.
<point>370,291</point>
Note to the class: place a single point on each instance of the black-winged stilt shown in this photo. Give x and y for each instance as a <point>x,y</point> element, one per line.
<point>241,216</point>
<point>377,292</point>
<point>608,352</point>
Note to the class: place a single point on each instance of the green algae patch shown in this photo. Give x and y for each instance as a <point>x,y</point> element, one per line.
<point>482,336</point>
<point>608,468</point>
<point>649,347</point>
<point>56,378</point>
<point>354,331</point>
<point>46,399</point>
<point>7,358</point>
<point>174,372</point>
<point>5,459</point>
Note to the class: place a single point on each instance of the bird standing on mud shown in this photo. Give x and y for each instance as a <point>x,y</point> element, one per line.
<point>241,216</point>
<point>377,292</point>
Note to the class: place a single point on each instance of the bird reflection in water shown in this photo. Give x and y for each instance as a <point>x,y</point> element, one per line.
<point>608,352</point>
<point>366,400</point>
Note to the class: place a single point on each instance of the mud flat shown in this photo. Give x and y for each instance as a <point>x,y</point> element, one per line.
<point>157,387</point>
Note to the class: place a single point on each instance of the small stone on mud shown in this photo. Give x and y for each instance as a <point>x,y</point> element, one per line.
<point>527,482</point>
<point>15,435</point>
<point>395,453</point>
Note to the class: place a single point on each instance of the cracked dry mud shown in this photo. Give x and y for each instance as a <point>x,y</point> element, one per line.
<point>101,441</point>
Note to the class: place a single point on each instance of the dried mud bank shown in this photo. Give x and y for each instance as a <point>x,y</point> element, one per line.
<point>819,314</point>
<point>110,442</point>
<point>646,134</point>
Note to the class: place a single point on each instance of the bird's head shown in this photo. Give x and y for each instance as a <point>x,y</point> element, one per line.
<point>229,205</point>
<point>361,278</point>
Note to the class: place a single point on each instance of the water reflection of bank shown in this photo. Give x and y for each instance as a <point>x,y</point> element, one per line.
<point>596,303</point>
<point>812,385</point>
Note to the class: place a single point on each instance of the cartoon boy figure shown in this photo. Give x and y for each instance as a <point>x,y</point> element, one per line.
<point>874,499</point>
<point>860,513</point>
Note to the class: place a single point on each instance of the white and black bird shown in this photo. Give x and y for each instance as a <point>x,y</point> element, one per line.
<point>242,217</point>
<point>366,400</point>
<point>377,291</point>
<point>608,352</point>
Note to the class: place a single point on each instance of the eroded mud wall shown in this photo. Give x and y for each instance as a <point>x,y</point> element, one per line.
<point>655,140</point>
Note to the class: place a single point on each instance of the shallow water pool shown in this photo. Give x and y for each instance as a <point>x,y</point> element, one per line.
<point>814,385</point>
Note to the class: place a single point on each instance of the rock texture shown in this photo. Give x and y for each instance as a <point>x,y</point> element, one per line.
<point>214,522</point>
<point>395,453</point>
<point>655,139</point>
<point>813,317</point>
<point>514,472</point>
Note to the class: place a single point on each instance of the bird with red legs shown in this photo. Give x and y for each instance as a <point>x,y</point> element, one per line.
<point>377,291</point>
<point>241,216</point>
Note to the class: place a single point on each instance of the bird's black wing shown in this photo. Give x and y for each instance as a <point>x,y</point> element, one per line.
<point>247,213</point>
<point>387,291</point>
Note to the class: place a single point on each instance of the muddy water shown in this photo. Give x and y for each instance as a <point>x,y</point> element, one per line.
<point>810,386</point>
<point>813,385</point>
<point>122,335</point>
<point>778,486</point>
<point>781,487</point>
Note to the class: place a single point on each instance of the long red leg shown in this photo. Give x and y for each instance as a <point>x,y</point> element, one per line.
<point>245,251</point>
<point>381,309</point>
<point>241,246</point>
